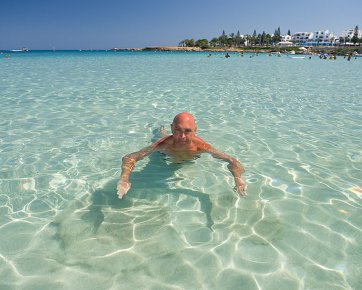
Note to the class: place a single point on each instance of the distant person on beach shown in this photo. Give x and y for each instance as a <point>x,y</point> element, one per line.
<point>182,145</point>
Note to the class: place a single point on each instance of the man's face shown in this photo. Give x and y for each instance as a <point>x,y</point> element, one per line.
<point>183,131</point>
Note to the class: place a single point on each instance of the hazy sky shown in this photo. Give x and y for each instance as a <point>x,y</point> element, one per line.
<point>103,24</point>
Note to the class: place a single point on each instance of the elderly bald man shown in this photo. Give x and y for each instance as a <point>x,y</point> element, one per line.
<point>182,145</point>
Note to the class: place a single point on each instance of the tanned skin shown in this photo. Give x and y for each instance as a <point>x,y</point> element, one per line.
<point>182,145</point>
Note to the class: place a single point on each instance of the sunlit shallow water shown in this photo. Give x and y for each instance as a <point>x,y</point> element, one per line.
<point>67,118</point>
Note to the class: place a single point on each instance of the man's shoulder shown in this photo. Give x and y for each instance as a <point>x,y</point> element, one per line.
<point>201,144</point>
<point>163,141</point>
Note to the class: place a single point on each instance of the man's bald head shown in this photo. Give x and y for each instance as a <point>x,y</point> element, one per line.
<point>183,128</point>
<point>184,117</point>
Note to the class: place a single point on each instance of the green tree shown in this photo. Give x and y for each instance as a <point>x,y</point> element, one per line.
<point>268,39</point>
<point>189,42</point>
<point>276,37</point>
<point>253,38</point>
<point>263,38</point>
<point>258,39</point>
<point>354,39</point>
<point>214,42</point>
<point>231,39</point>
<point>202,43</point>
<point>238,39</point>
<point>223,39</point>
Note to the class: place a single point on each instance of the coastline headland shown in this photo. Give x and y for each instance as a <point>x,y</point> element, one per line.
<point>182,48</point>
<point>161,48</point>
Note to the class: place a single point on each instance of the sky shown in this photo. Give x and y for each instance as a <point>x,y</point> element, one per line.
<point>104,24</point>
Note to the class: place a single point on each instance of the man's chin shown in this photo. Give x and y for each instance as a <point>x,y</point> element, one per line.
<point>183,143</point>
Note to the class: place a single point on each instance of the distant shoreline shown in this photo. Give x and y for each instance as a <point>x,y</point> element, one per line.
<point>341,50</point>
<point>338,50</point>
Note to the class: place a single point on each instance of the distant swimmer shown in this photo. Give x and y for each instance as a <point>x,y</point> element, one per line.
<point>227,55</point>
<point>181,145</point>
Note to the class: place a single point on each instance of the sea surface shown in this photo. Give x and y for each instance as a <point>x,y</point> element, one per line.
<point>67,118</point>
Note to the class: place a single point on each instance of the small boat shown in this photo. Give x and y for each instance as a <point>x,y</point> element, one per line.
<point>297,57</point>
<point>20,50</point>
<point>292,54</point>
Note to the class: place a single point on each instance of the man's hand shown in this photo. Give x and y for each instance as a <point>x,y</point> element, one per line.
<point>122,188</point>
<point>240,186</point>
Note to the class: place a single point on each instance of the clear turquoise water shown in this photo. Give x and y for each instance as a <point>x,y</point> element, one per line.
<point>67,118</point>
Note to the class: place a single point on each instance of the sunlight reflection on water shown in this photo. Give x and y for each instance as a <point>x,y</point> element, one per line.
<point>73,116</point>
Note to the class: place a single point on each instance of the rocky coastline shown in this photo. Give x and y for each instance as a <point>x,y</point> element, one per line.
<point>182,48</point>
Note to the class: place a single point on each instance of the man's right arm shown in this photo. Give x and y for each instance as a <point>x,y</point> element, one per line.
<point>128,164</point>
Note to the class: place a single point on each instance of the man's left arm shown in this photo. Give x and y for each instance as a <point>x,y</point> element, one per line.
<point>234,167</point>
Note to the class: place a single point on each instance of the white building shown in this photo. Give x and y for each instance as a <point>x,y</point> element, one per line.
<point>285,40</point>
<point>349,33</point>
<point>323,37</point>
<point>285,37</point>
<point>302,37</point>
<point>245,39</point>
